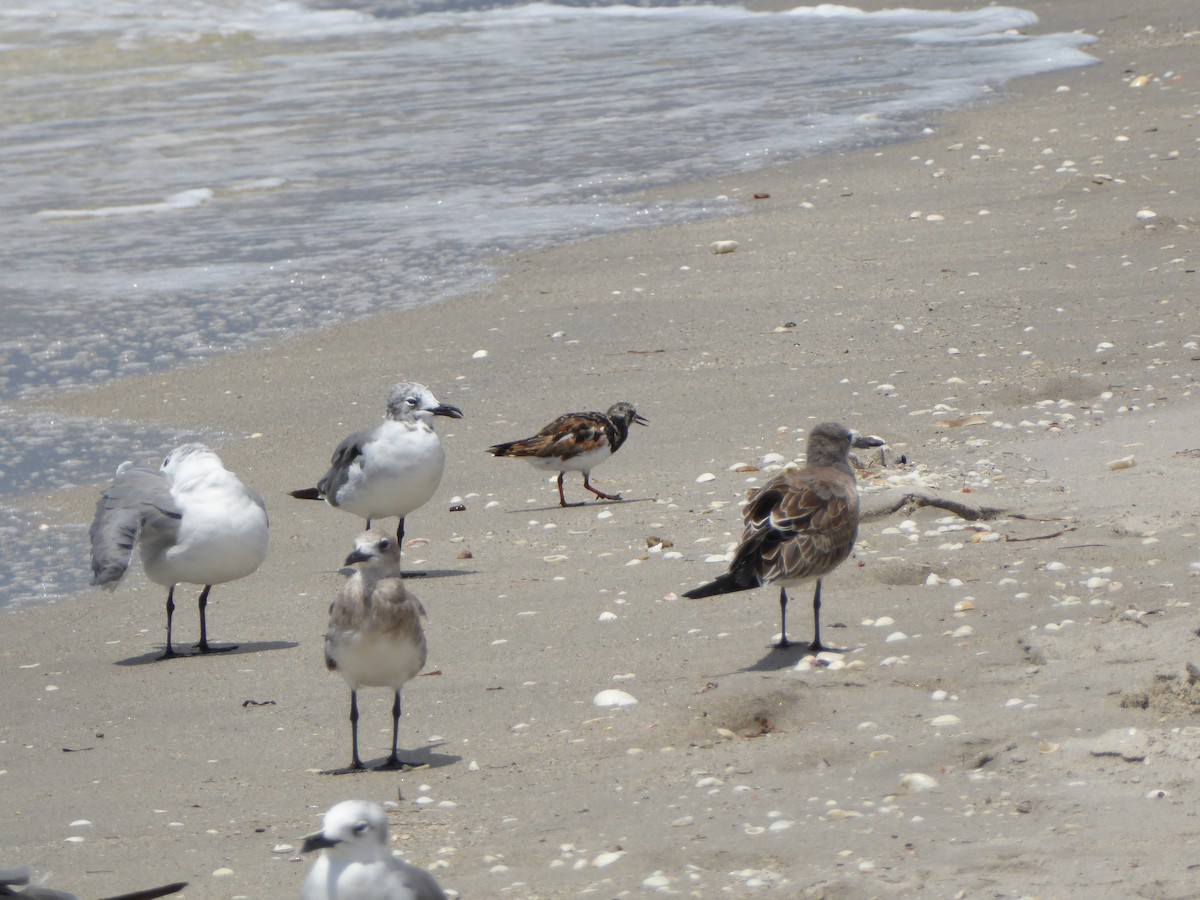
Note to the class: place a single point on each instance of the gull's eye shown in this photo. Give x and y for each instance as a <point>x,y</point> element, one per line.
<point>360,827</point>
<point>411,401</point>
<point>384,544</point>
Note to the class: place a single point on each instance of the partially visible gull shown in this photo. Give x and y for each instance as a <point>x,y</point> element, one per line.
<point>355,862</point>
<point>193,522</point>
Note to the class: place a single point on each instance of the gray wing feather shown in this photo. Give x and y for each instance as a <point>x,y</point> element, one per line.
<point>344,456</point>
<point>138,503</point>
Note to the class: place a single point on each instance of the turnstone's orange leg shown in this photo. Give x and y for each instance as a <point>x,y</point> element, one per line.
<point>562,500</point>
<point>603,496</point>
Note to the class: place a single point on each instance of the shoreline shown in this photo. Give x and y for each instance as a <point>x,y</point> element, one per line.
<point>187,781</point>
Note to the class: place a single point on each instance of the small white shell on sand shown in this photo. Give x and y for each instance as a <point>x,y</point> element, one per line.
<point>723,246</point>
<point>607,859</point>
<point>707,476</point>
<point>479,354</point>
<point>607,616</point>
<point>613,698</point>
<point>945,721</point>
<point>1125,462</point>
<point>917,782</point>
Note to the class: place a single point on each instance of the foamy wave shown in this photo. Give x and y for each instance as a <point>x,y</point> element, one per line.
<point>189,199</point>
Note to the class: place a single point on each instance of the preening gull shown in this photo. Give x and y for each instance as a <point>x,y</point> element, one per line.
<point>356,863</point>
<point>393,468</point>
<point>375,638</point>
<point>799,526</point>
<point>575,442</point>
<point>193,522</point>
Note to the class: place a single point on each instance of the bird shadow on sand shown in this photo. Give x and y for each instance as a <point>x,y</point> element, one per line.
<point>154,656</point>
<point>422,759</point>
<point>585,505</point>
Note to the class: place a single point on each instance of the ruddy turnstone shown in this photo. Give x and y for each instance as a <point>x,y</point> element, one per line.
<point>356,861</point>
<point>393,468</point>
<point>799,526</point>
<point>193,521</point>
<point>576,442</point>
<point>375,638</point>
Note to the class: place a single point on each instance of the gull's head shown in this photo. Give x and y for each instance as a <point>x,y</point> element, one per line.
<point>375,549</point>
<point>829,444</point>
<point>189,456</point>
<point>625,412</point>
<point>352,827</point>
<point>411,402</point>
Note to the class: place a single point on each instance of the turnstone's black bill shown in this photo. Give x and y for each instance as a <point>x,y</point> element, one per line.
<point>576,442</point>
<point>799,526</point>
<point>193,521</point>
<point>393,468</point>
<point>375,637</point>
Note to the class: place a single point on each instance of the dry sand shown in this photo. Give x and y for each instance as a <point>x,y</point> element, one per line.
<point>1060,326</point>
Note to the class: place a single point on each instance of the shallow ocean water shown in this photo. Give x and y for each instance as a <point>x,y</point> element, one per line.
<point>188,179</point>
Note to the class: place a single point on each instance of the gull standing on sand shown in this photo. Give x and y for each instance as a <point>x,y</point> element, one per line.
<point>356,862</point>
<point>375,638</point>
<point>799,526</point>
<point>576,442</point>
<point>193,521</point>
<point>393,468</point>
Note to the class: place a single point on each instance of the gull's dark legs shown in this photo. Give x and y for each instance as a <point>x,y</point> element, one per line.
<point>170,651</point>
<point>355,762</point>
<point>394,761</point>
<point>603,496</point>
<point>204,646</point>
<point>816,646</point>
<point>783,642</point>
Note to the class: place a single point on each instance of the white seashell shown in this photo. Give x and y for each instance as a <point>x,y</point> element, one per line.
<point>614,698</point>
<point>656,881</point>
<point>945,721</point>
<point>607,859</point>
<point>884,621</point>
<point>964,631</point>
<point>554,558</point>
<point>1125,462</point>
<point>1157,794</point>
<point>723,246</point>
<point>1146,215</point>
<point>774,459</point>
<point>917,782</point>
<point>886,389</point>
<point>74,839</point>
<point>222,872</point>
<point>607,617</point>
<point>479,354</point>
<point>1055,567</point>
<point>282,848</point>
<point>707,476</point>
<point>80,823</point>
<point>895,637</point>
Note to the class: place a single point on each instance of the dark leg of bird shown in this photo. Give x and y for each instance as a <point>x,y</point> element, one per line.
<point>400,534</point>
<point>562,500</point>
<point>355,762</point>
<point>204,646</point>
<point>603,496</point>
<point>170,651</point>
<point>816,646</point>
<point>783,638</point>
<point>368,528</point>
<point>394,761</point>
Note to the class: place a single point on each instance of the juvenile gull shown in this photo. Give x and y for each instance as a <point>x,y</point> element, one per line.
<point>799,526</point>
<point>375,638</point>
<point>356,863</point>
<point>576,442</point>
<point>193,521</point>
<point>393,468</point>
<point>13,878</point>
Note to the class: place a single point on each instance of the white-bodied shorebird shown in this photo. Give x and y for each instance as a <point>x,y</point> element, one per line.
<point>375,637</point>
<point>799,526</point>
<point>193,521</point>
<point>356,862</point>
<point>576,442</point>
<point>392,468</point>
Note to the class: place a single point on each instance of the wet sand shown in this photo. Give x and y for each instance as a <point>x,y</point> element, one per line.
<point>988,299</point>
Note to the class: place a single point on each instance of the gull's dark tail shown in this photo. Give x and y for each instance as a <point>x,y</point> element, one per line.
<point>725,584</point>
<point>151,893</point>
<point>308,494</point>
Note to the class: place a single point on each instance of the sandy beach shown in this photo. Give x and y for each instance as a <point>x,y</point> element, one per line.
<point>1010,301</point>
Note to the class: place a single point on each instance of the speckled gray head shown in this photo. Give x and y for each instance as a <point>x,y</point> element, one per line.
<point>625,412</point>
<point>410,401</point>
